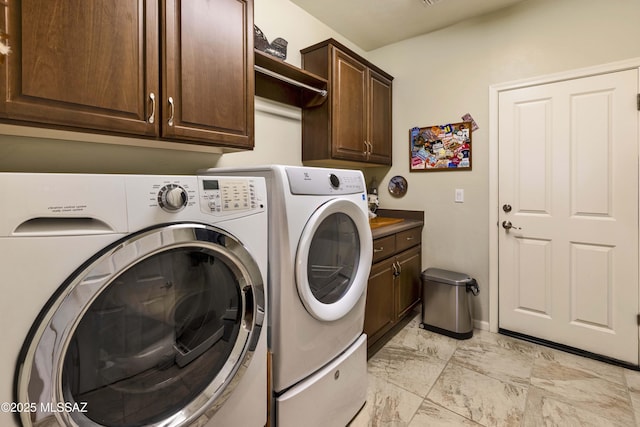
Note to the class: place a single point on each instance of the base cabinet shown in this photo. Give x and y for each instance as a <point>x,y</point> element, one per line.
<point>408,282</point>
<point>380,314</point>
<point>394,287</point>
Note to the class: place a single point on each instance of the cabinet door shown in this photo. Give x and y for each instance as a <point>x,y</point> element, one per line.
<point>208,78</point>
<point>88,64</point>
<point>379,121</point>
<point>379,313</point>
<point>409,282</point>
<point>349,114</point>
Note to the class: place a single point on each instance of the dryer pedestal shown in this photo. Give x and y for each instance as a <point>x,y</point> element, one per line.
<point>339,389</point>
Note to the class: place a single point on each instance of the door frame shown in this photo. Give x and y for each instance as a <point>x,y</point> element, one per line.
<point>494,93</point>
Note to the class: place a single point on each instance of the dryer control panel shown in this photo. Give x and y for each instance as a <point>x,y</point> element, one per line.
<point>324,182</point>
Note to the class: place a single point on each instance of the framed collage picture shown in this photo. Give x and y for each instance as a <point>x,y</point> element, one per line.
<point>440,148</point>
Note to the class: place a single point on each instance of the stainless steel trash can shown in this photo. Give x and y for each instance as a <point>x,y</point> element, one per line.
<point>445,302</point>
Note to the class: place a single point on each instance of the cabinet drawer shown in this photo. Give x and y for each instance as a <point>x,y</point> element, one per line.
<point>383,247</point>
<point>409,238</point>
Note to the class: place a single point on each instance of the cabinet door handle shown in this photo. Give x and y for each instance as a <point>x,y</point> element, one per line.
<point>367,149</point>
<point>399,268</point>
<point>173,110</point>
<point>395,270</point>
<point>152,116</point>
<point>380,249</point>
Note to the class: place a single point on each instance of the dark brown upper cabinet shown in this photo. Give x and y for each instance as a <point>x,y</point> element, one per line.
<point>354,126</point>
<point>174,70</point>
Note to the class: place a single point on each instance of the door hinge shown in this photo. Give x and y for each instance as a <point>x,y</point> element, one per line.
<point>638,100</point>
<point>638,319</point>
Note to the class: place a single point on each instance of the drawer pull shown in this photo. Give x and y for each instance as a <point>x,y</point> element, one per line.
<point>410,238</point>
<point>380,249</point>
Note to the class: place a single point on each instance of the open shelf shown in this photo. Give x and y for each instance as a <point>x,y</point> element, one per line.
<point>282,82</point>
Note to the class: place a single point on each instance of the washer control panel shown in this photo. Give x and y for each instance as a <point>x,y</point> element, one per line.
<point>218,196</point>
<point>221,196</point>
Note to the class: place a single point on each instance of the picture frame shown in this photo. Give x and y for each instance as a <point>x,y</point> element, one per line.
<point>440,148</point>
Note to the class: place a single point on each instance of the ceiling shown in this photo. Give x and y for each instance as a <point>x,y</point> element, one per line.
<point>371,24</point>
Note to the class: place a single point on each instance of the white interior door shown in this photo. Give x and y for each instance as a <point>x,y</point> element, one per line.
<point>568,170</point>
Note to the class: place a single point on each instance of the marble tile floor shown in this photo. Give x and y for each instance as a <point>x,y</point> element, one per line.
<point>420,378</point>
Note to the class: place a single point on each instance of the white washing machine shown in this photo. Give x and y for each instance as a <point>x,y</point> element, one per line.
<point>320,250</point>
<point>133,300</point>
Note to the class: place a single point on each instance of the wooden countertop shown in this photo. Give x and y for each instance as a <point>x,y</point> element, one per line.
<point>383,226</point>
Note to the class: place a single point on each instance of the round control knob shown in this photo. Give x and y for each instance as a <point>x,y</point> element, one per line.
<point>335,181</point>
<point>172,198</point>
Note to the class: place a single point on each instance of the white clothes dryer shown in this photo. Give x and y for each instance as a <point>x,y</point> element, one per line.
<point>133,300</point>
<point>320,251</point>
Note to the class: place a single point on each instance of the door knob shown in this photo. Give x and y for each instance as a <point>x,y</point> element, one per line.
<point>508,226</point>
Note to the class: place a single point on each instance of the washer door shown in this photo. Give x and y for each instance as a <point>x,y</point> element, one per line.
<point>155,330</point>
<point>333,259</point>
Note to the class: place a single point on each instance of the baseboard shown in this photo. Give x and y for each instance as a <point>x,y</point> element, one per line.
<point>481,324</point>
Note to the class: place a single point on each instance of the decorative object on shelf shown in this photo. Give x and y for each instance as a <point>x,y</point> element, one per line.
<point>277,48</point>
<point>398,186</point>
<point>4,38</point>
<point>372,198</point>
<point>440,148</point>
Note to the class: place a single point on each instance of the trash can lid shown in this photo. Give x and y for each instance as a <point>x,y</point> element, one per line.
<point>445,276</point>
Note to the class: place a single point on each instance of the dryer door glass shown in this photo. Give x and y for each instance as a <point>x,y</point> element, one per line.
<point>333,259</point>
<point>158,328</point>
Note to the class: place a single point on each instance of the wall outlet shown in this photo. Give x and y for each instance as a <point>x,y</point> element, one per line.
<point>459,195</point>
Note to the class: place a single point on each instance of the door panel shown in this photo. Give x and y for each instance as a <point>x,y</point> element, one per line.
<point>349,116</point>
<point>380,118</point>
<point>569,167</point>
<point>211,89</point>
<point>69,67</point>
<point>379,314</point>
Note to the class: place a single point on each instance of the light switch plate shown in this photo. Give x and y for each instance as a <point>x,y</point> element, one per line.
<point>459,195</point>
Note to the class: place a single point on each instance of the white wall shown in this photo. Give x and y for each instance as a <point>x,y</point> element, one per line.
<point>443,75</point>
<point>278,129</point>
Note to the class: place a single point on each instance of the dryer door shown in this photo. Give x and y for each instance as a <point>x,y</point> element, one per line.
<point>155,330</point>
<point>333,259</point>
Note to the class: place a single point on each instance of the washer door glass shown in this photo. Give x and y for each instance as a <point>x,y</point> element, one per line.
<point>334,259</point>
<point>153,331</point>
